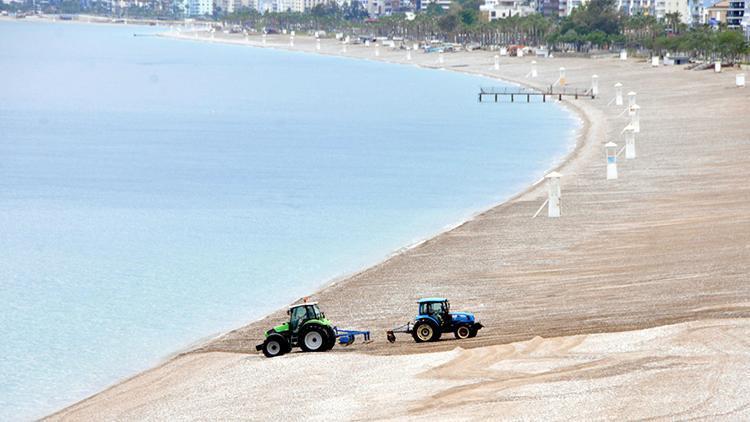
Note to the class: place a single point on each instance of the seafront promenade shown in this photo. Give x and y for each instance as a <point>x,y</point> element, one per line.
<point>639,291</point>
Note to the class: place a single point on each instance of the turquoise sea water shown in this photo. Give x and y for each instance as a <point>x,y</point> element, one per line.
<point>154,192</point>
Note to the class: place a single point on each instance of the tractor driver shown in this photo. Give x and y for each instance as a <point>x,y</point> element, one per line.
<point>298,315</point>
<point>439,311</point>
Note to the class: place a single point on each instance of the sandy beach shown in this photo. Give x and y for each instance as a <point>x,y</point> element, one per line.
<point>631,305</point>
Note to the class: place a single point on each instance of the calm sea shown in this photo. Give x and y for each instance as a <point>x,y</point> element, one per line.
<point>154,192</point>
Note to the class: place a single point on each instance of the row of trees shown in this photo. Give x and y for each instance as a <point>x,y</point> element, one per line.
<point>595,25</point>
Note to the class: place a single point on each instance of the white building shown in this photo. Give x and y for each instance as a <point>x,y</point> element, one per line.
<point>198,7</point>
<point>566,7</point>
<point>501,9</point>
<point>679,6</point>
<point>445,4</point>
<point>737,12</point>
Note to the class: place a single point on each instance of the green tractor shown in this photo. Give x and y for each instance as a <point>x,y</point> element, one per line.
<point>307,329</point>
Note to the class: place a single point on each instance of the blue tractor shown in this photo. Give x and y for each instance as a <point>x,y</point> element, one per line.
<point>434,319</point>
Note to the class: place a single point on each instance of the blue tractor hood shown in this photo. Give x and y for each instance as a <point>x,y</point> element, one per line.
<point>462,317</point>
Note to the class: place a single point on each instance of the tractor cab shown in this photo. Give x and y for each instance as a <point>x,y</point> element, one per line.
<point>437,308</point>
<point>299,314</point>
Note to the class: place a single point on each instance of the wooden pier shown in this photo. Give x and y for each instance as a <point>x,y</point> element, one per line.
<point>513,93</point>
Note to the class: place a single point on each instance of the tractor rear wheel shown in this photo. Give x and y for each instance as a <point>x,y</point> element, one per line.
<point>275,345</point>
<point>425,331</point>
<point>331,339</point>
<point>313,338</point>
<point>462,332</point>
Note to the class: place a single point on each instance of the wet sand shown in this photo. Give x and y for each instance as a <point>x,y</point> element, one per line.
<point>666,243</point>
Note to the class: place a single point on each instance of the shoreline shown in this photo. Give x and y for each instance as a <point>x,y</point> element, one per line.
<point>577,138</point>
<point>576,141</point>
<point>578,164</point>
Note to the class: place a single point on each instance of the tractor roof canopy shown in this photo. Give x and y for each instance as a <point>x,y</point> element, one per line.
<point>432,300</point>
<point>303,304</point>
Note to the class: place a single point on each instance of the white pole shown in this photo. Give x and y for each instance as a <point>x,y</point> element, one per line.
<point>631,99</point>
<point>408,55</point>
<point>317,45</point>
<point>263,38</point>
<point>534,72</point>
<point>717,66</point>
<point>553,194</point>
<point>623,54</point>
<point>497,62</point>
<point>377,51</point>
<point>635,118</point>
<point>629,142</point>
<point>595,85</point>
<point>611,149</point>
<point>739,80</point>
<point>291,40</point>
<point>562,76</point>
<point>618,94</point>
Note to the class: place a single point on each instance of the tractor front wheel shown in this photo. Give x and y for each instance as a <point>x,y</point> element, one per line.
<point>462,332</point>
<point>424,331</point>
<point>275,345</point>
<point>314,338</point>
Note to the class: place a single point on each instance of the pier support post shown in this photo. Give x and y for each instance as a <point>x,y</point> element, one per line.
<point>497,62</point>
<point>611,149</point>
<point>739,80</point>
<point>595,85</point>
<point>618,94</point>
<point>534,72</point>
<point>629,142</point>
<point>553,194</point>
